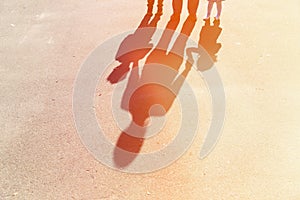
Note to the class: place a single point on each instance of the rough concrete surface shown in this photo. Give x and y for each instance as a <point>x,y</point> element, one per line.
<point>44,43</point>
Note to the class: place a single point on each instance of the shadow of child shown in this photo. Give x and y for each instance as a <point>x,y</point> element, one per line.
<point>208,47</point>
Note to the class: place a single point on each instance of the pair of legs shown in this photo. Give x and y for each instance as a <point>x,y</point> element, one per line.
<point>159,6</point>
<point>192,7</point>
<point>210,6</point>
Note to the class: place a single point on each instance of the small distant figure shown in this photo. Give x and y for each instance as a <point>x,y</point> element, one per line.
<point>210,6</point>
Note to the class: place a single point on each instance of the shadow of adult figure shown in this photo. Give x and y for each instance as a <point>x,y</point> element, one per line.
<point>135,46</point>
<point>158,84</point>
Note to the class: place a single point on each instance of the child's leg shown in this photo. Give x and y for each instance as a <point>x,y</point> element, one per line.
<point>209,8</point>
<point>219,8</point>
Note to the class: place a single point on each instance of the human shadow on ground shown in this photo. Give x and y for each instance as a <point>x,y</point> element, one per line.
<point>158,84</point>
<point>208,46</point>
<point>136,46</point>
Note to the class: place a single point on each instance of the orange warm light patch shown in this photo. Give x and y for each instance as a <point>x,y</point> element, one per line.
<point>166,58</point>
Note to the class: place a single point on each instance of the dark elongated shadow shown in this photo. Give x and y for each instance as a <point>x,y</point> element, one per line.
<point>208,38</point>
<point>129,52</point>
<point>207,46</point>
<point>160,65</point>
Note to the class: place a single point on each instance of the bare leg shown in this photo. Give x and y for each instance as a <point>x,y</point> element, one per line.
<point>209,8</point>
<point>219,8</point>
